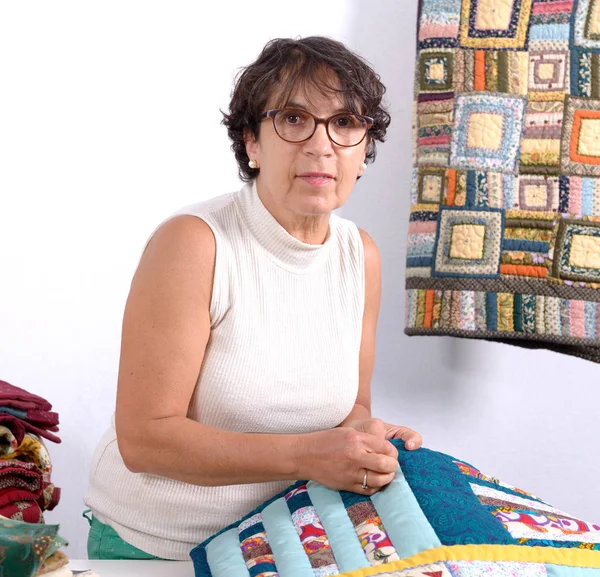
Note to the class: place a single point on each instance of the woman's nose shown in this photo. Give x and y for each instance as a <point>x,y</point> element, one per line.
<point>319,142</point>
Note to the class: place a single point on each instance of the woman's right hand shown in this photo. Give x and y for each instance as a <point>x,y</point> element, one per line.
<point>338,459</point>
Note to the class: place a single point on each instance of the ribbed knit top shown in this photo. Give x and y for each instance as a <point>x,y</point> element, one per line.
<point>282,357</point>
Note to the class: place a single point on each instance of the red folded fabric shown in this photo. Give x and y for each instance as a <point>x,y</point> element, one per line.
<point>23,482</point>
<point>19,475</point>
<point>9,392</point>
<point>42,418</point>
<point>28,511</point>
<point>25,492</point>
<point>23,405</point>
<point>19,426</point>
<point>12,495</point>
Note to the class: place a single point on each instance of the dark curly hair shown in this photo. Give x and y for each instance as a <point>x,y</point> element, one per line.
<point>286,64</point>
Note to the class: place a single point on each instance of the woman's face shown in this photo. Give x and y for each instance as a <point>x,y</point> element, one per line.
<point>285,167</point>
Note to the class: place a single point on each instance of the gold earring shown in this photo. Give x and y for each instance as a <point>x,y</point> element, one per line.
<point>253,164</point>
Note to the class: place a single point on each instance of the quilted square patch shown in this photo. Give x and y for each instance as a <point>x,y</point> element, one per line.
<point>432,182</point>
<point>436,69</point>
<point>537,193</point>
<point>487,132</point>
<point>494,23</point>
<point>469,243</point>
<point>580,148</point>
<point>548,78</point>
<point>577,256</point>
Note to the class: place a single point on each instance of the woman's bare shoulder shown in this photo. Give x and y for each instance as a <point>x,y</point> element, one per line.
<point>184,240</point>
<point>179,261</point>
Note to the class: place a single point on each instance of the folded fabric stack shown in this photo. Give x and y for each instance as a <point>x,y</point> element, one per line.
<point>31,550</point>
<point>26,489</point>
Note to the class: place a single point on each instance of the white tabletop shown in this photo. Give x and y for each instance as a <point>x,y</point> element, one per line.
<point>134,568</point>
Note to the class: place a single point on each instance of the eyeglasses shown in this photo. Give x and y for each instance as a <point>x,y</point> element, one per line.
<point>294,125</point>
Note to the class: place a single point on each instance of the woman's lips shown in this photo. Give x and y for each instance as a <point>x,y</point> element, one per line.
<point>316,179</point>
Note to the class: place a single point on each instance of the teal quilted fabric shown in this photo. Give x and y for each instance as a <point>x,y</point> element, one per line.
<point>435,501</point>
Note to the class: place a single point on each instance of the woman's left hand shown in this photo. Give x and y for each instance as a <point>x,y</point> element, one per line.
<point>384,430</point>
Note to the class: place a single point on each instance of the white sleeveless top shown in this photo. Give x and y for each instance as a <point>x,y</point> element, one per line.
<point>282,357</point>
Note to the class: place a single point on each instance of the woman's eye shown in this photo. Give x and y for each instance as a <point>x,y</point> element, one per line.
<point>294,118</point>
<point>345,122</point>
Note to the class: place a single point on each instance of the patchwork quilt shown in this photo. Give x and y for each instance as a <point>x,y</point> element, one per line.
<point>504,231</point>
<point>440,517</point>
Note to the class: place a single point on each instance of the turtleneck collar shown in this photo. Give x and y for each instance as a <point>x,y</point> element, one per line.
<point>287,250</point>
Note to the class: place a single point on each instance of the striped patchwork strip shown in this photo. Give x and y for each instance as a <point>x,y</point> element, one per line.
<point>371,532</point>
<point>255,548</point>
<point>311,532</point>
<point>490,312</point>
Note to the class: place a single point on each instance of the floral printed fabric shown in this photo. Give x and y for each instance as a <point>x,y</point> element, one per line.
<point>25,547</point>
<point>500,569</point>
<point>8,441</point>
<point>369,528</point>
<point>33,450</point>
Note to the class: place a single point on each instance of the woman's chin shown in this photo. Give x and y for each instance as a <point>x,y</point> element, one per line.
<point>315,204</point>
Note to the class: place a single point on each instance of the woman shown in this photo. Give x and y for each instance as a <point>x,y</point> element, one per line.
<point>249,333</point>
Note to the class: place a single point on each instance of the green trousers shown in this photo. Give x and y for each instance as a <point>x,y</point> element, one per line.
<point>105,543</point>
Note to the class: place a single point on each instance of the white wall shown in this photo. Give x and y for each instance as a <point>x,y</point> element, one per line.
<point>109,121</point>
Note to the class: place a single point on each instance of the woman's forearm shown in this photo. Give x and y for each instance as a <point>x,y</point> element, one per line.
<point>185,450</point>
<point>182,449</point>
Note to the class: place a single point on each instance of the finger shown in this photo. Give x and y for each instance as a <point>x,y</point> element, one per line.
<point>375,482</point>
<point>379,445</point>
<point>378,463</point>
<point>369,492</point>
<point>393,451</point>
<point>411,438</point>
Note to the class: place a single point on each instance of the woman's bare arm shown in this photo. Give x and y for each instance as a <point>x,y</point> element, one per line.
<point>166,327</point>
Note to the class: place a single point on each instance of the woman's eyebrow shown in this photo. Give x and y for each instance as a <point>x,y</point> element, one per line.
<point>303,107</point>
<point>293,104</point>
